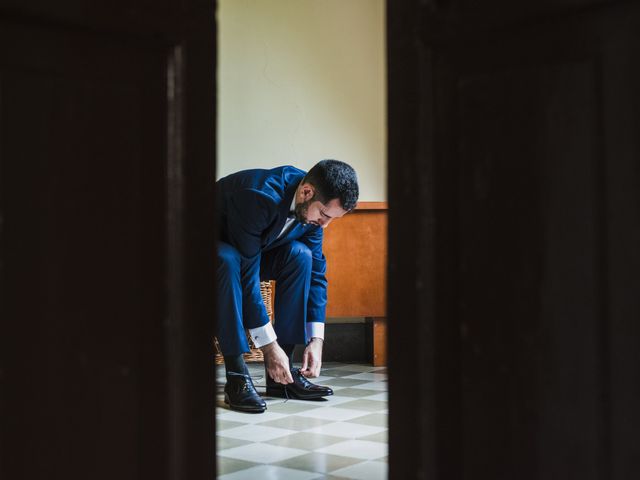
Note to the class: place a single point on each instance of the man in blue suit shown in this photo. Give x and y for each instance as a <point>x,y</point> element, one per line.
<point>271,224</point>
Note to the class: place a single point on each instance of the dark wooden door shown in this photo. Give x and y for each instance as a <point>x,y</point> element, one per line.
<point>514,135</point>
<point>106,171</point>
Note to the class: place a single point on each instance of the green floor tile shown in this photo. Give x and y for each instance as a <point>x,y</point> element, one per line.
<point>318,462</point>
<point>295,422</point>
<point>226,424</point>
<point>365,405</point>
<point>230,465</point>
<point>289,407</point>
<point>306,440</point>
<point>222,443</point>
<point>337,372</point>
<point>382,437</point>
<point>374,419</point>
<point>354,392</point>
<point>346,382</point>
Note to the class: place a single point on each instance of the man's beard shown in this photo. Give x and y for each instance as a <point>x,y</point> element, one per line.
<point>302,209</point>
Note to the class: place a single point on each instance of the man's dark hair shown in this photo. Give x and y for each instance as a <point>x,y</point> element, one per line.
<point>334,179</point>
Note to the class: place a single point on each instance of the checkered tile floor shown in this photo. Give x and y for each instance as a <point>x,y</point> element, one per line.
<point>342,437</point>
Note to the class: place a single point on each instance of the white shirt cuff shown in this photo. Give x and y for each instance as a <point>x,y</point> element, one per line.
<point>262,336</point>
<point>315,329</point>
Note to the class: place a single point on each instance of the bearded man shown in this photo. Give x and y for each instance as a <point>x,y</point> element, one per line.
<point>271,228</point>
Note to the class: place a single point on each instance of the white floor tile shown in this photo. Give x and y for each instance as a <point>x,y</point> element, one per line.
<point>335,414</point>
<point>378,386</point>
<point>307,403</point>
<point>269,472</point>
<point>333,400</point>
<point>223,414</point>
<point>383,397</point>
<point>261,453</point>
<point>346,430</point>
<point>354,367</point>
<point>357,449</point>
<point>374,377</point>
<point>364,471</point>
<point>273,400</point>
<point>255,433</point>
<point>335,388</point>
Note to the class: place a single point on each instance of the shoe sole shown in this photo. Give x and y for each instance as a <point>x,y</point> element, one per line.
<point>240,408</point>
<point>280,393</point>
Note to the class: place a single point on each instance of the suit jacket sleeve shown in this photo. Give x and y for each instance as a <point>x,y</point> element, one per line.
<point>249,214</point>
<point>317,303</point>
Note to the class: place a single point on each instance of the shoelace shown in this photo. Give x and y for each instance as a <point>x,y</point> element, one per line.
<point>257,378</point>
<point>286,391</point>
<point>245,385</point>
<point>305,382</point>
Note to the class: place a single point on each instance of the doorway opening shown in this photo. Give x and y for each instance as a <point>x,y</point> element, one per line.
<point>299,82</point>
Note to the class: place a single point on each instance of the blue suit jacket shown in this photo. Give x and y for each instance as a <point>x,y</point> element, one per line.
<point>253,207</point>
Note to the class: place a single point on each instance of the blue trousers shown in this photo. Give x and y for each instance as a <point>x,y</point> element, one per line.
<point>239,302</point>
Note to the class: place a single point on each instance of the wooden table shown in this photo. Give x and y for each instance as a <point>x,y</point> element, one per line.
<point>356,250</point>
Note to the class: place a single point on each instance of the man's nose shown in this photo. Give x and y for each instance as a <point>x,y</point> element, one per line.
<point>324,223</point>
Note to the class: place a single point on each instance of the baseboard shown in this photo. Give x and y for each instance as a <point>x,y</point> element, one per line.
<point>345,342</point>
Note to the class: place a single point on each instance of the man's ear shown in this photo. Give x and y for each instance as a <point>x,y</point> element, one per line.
<point>307,191</point>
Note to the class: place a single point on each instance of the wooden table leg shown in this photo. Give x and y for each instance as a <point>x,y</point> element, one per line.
<point>379,341</point>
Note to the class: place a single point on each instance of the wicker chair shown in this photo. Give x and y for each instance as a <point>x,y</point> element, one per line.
<point>267,289</point>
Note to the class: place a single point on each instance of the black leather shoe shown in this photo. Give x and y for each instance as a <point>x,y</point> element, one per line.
<point>301,388</point>
<point>241,395</point>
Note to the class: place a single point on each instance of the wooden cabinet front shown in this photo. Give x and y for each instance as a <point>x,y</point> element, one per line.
<point>356,250</point>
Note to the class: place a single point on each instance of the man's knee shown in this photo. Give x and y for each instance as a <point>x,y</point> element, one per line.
<point>300,254</point>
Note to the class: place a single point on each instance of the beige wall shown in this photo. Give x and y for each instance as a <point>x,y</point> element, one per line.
<point>300,81</point>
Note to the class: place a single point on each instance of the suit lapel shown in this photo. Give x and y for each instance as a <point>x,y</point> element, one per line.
<point>296,231</point>
<point>283,211</point>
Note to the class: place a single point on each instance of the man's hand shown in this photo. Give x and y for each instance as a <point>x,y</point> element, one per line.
<point>312,358</point>
<point>276,363</point>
